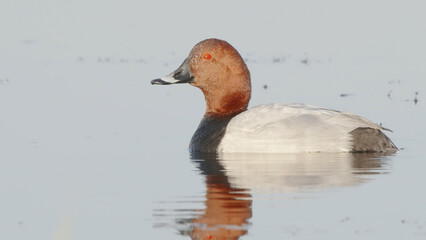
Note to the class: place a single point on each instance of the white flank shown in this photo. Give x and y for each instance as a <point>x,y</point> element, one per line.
<point>291,128</point>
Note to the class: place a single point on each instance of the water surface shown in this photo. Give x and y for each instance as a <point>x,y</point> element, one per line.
<point>89,149</point>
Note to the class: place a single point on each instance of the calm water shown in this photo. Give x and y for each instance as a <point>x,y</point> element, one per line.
<point>234,184</point>
<point>106,158</point>
<point>90,150</point>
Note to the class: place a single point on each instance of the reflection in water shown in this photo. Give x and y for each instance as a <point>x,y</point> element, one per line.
<point>228,208</point>
<point>231,179</point>
<point>285,173</point>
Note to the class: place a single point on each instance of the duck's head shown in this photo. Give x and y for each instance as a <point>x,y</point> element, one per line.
<point>216,68</point>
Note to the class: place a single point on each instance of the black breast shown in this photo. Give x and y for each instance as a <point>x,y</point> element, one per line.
<point>208,135</point>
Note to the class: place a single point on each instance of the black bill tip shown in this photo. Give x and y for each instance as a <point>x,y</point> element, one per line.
<point>159,81</point>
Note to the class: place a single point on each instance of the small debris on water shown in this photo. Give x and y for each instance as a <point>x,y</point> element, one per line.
<point>389,94</point>
<point>106,59</point>
<point>140,60</point>
<point>265,86</point>
<point>415,98</point>
<point>394,81</point>
<point>305,61</point>
<point>278,59</point>
<point>3,81</point>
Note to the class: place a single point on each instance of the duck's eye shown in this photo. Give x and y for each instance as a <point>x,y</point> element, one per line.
<point>208,56</point>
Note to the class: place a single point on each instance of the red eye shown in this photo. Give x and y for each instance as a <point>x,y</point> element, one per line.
<point>208,56</point>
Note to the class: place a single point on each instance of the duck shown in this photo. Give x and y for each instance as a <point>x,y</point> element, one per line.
<point>228,126</point>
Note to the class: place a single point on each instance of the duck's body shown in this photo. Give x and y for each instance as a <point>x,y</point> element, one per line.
<point>227,126</point>
<point>290,128</point>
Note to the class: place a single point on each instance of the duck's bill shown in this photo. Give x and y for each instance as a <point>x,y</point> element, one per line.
<point>181,75</point>
<point>164,81</point>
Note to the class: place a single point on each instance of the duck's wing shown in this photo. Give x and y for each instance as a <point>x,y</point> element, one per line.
<point>292,128</point>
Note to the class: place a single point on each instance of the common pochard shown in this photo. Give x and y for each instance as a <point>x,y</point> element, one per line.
<point>215,67</point>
